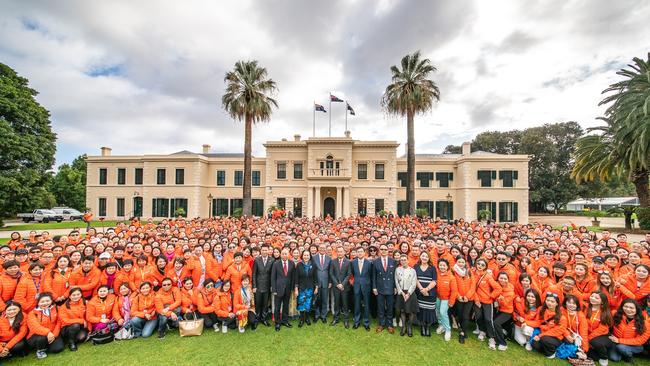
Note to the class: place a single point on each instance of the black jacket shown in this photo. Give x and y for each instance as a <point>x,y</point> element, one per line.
<point>280,284</point>
<point>305,279</point>
<point>262,274</point>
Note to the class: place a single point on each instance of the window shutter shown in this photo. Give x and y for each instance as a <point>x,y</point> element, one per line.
<point>502,209</point>
<point>500,174</point>
<point>515,174</point>
<point>478,175</point>
<point>451,176</point>
<point>493,210</point>
<point>494,174</point>
<point>515,211</point>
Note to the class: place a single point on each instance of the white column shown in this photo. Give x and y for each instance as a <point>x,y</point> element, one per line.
<point>317,209</point>
<point>310,202</point>
<point>346,202</point>
<point>339,206</point>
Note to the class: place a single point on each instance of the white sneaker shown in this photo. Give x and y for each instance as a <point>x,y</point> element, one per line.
<point>492,344</point>
<point>447,335</point>
<point>481,336</point>
<point>395,322</point>
<point>224,329</point>
<point>476,331</point>
<point>603,362</point>
<point>528,347</point>
<point>502,348</point>
<point>41,354</point>
<point>216,327</point>
<point>241,330</point>
<point>551,356</point>
<point>440,329</point>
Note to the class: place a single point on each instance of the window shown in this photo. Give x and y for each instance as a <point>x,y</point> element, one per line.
<point>297,207</point>
<point>401,208</point>
<point>486,177</point>
<point>235,203</point>
<point>427,205</point>
<point>137,206</point>
<point>255,177</point>
<point>180,176</point>
<point>445,210</point>
<point>443,179</point>
<point>103,173</point>
<point>121,176</point>
<point>424,178</point>
<point>379,171</point>
<point>508,211</point>
<point>138,176</point>
<point>379,205</point>
<point>402,177</point>
<point>221,177</point>
<point>282,203</point>
<point>102,207</point>
<point>178,204</point>
<point>362,171</point>
<point>297,170</point>
<point>257,207</point>
<point>239,177</point>
<point>220,207</point>
<point>160,207</point>
<point>120,207</point>
<point>282,171</point>
<point>161,176</point>
<point>486,206</point>
<point>508,177</point>
<point>362,207</point>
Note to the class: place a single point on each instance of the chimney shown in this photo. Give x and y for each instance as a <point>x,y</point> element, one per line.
<point>467,148</point>
<point>206,148</point>
<point>284,139</point>
<point>347,134</point>
<point>296,137</point>
<point>106,151</point>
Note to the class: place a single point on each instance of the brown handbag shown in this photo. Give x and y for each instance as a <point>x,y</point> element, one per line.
<point>193,327</point>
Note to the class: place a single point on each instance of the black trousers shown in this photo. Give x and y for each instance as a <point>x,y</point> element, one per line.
<point>74,333</point>
<point>341,303</point>
<point>546,345</point>
<point>261,304</point>
<point>20,349</point>
<point>281,311</point>
<point>209,319</point>
<point>485,319</point>
<point>385,309</point>
<point>500,322</point>
<point>229,322</point>
<point>599,347</point>
<point>463,314</point>
<point>39,342</point>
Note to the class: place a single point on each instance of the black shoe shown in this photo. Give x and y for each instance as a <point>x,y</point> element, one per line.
<point>402,331</point>
<point>461,339</point>
<point>355,326</point>
<point>324,320</point>
<point>161,336</point>
<point>367,328</point>
<point>277,327</point>
<point>288,325</point>
<point>73,347</point>
<point>409,330</point>
<point>334,322</point>
<point>307,320</point>
<point>253,325</point>
<point>266,323</point>
<point>346,324</point>
<point>421,330</point>
<point>302,321</point>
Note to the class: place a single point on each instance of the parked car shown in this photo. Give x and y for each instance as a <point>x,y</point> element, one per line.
<point>41,215</point>
<point>68,213</point>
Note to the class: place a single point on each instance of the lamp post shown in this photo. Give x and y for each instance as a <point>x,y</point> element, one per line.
<point>448,208</point>
<point>210,205</point>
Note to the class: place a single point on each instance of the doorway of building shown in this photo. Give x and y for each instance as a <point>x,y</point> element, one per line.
<point>137,206</point>
<point>329,207</point>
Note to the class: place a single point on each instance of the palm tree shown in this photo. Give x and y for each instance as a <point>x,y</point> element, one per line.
<point>248,98</point>
<point>410,93</point>
<point>623,145</point>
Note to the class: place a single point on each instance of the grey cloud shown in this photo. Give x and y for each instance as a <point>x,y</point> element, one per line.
<point>518,41</point>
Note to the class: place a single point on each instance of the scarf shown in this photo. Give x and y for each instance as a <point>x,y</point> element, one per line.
<point>462,272</point>
<point>126,309</point>
<point>110,278</point>
<point>46,311</point>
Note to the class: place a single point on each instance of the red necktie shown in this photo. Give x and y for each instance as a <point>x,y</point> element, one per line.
<point>340,264</point>
<point>322,261</point>
<point>384,260</point>
<point>285,268</point>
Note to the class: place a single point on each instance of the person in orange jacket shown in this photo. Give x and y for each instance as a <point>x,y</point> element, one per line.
<point>189,298</point>
<point>57,280</point>
<point>208,304</point>
<point>225,312</point>
<point>178,272</point>
<point>486,291</point>
<point>123,305</point>
<point>9,280</point>
<point>30,286</point>
<point>99,309</point>
<point>599,319</point>
<point>143,312</point>
<point>235,272</point>
<point>506,307</point>
<point>44,325</point>
<point>465,300</point>
<point>577,326</point>
<point>244,305</point>
<point>109,275</point>
<point>86,277</point>
<point>637,286</point>
<point>526,316</point>
<point>73,319</point>
<point>125,275</point>
<point>447,293</point>
<point>13,329</point>
<point>141,272</point>
<point>552,325</point>
<point>168,306</point>
<point>159,271</point>
<point>631,330</point>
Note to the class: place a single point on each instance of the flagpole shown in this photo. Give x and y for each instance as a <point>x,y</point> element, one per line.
<point>346,117</point>
<point>313,107</point>
<point>330,133</point>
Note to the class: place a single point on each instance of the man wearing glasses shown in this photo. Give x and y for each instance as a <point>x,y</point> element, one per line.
<point>383,280</point>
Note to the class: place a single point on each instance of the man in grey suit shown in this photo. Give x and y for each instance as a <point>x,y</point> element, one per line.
<point>262,283</point>
<point>321,262</point>
<point>340,278</point>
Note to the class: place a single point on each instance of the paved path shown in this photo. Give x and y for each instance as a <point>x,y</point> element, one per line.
<point>609,222</point>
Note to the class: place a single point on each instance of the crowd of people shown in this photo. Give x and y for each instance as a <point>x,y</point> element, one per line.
<point>566,293</point>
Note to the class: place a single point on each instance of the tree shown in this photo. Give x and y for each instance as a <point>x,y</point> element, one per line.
<point>410,92</point>
<point>69,184</point>
<point>248,98</point>
<point>622,147</point>
<point>27,146</point>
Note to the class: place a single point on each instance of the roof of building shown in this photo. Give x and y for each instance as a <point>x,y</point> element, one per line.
<point>211,155</point>
<point>606,201</point>
<point>449,156</point>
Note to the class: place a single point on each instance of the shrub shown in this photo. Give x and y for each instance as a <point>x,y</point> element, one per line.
<point>179,212</point>
<point>238,212</point>
<point>485,215</point>
<point>422,212</point>
<point>643,214</point>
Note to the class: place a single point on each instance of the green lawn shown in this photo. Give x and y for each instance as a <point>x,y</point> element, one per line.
<point>589,228</point>
<point>4,240</point>
<point>57,225</point>
<point>321,344</point>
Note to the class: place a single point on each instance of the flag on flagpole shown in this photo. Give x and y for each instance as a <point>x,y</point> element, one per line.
<point>350,108</point>
<point>319,108</point>
<point>333,98</point>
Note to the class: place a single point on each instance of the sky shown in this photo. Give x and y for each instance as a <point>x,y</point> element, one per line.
<point>146,77</point>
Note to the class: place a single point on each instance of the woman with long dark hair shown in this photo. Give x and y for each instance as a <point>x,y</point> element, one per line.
<point>630,331</point>
<point>44,326</point>
<point>73,319</point>
<point>13,329</point>
<point>426,293</point>
<point>599,320</point>
<point>552,326</point>
<point>462,309</point>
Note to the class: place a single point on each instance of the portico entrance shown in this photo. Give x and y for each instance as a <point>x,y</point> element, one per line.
<point>329,207</point>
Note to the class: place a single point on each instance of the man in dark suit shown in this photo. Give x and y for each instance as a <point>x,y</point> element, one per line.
<point>262,283</point>
<point>321,262</point>
<point>383,285</point>
<point>340,279</point>
<point>361,270</point>
<point>281,287</point>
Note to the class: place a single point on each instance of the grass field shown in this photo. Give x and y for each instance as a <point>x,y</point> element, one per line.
<point>4,241</point>
<point>58,225</point>
<point>318,344</point>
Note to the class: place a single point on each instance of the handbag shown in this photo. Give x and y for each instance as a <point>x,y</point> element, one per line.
<point>124,333</point>
<point>581,361</point>
<point>193,327</point>
<point>103,336</point>
<point>527,330</point>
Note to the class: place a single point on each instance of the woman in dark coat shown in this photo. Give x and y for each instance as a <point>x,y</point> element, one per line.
<point>306,288</point>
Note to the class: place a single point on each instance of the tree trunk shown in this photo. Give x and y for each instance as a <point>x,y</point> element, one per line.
<point>640,180</point>
<point>410,163</point>
<point>247,203</point>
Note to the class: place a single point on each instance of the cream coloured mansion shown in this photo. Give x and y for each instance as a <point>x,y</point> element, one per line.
<point>336,176</point>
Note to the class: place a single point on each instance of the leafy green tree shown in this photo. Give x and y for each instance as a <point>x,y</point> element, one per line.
<point>69,184</point>
<point>410,92</point>
<point>248,98</point>
<point>27,146</point>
